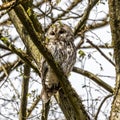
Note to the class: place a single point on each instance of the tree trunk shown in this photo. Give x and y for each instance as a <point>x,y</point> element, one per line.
<point>114,12</point>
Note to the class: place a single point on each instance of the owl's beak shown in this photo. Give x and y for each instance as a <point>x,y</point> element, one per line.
<point>56,36</point>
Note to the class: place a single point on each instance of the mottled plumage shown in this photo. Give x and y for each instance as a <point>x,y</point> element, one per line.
<point>60,43</point>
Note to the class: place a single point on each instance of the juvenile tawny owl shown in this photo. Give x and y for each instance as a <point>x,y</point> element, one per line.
<point>59,42</point>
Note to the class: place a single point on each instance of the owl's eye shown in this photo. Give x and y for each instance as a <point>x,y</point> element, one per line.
<point>52,33</point>
<point>62,31</point>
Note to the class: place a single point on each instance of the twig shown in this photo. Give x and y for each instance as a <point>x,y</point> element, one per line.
<point>29,111</point>
<point>7,7</point>
<point>82,22</point>
<point>45,109</point>
<point>98,111</point>
<point>95,46</point>
<point>99,46</point>
<point>4,47</point>
<point>73,4</point>
<point>93,26</point>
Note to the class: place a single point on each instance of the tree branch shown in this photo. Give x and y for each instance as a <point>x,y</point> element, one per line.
<point>94,26</point>
<point>108,96</point>
<point>99,46</point>
<point>25,57</point>
<point>73,4</point>
<point>7,5</point>
<point>82,22</point>
<point>24,93</point>
<point>101,52</point>
<point>94,78</point>
<point>29,111</point>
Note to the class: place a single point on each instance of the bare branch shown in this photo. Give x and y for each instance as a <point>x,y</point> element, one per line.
<point>101,52</point>
<point>94,26</point>
<point>108,96</point>
<point>82,22</point>
<point>24,93</point>
<point>8,68</point>
<point>4,47</point>
<point>94,78</point>
<point>26,58</point>
<point>73,4</point>
<point>99,46</point>
<point>29,111</point>
<point>7,5</point>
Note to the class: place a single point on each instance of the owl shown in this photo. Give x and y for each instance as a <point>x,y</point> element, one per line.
<point>59,42</point>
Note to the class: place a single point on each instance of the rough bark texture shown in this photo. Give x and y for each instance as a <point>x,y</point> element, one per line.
<point>71,112</point>
<point>67,98</point>
<point>114,12</point>
<point>25,37</point>
<point>24,93</point>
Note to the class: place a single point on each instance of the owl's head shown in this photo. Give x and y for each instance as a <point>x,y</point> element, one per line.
<point>60,31</point>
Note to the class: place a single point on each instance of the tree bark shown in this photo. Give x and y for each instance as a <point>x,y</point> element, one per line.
<point>24,93</point>
<point>114,12</point>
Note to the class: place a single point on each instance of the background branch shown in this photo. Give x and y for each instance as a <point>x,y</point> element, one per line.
<point>101,52</point>
<point>81,24</point>
<point>94,78</point>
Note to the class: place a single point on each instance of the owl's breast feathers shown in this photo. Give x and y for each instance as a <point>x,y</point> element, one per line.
<point>64,53</point>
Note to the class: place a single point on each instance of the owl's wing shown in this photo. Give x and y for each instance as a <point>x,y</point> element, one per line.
<point>50,83</point>
<point>43,70</point>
